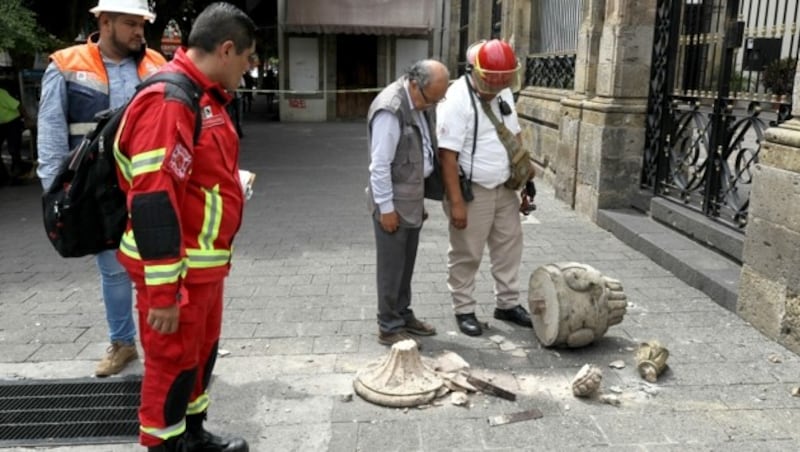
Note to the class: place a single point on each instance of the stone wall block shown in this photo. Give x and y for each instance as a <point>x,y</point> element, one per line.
<point>780,148</point>
<point>775,196</point>
<point>790,324</point>
<point>772,249</point>
<point>624,64</point>
<point>761,301</point>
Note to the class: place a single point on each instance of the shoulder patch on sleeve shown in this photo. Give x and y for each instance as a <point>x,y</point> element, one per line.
<point>179,162</point>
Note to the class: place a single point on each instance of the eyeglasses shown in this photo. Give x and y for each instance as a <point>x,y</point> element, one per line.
<point>425,98</point>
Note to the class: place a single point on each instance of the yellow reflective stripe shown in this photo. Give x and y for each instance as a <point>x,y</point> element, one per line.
<point>199,404</point>
<point>212,218</point>
<point>147,162</point>
<point>163,274</point>
<point>128,246</point>
<point>207,258</point>
<point>165,433</point>
<point>123,163</point>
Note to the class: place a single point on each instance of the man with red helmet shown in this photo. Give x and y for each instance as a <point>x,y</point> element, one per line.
<point>477,125</point>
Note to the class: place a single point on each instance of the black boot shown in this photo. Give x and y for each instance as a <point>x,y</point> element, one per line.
<point>176,444</point>
<point>199,440</point>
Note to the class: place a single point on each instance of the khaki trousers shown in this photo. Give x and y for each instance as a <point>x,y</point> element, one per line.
<point>492,220</point>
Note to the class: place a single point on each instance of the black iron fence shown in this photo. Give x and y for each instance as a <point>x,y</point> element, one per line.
<point>714,89</point>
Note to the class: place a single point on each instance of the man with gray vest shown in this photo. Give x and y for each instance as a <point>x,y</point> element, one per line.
<point>402,140</point>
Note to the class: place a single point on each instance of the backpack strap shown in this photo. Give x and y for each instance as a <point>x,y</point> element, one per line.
<point>187,87</point>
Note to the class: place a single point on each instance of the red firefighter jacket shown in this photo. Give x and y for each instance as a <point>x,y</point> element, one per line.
<point>155,153</point>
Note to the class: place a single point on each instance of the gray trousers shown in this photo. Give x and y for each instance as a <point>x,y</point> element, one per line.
<point>396,254</point>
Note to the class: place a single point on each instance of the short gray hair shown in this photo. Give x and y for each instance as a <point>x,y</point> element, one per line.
<point>421,72</point>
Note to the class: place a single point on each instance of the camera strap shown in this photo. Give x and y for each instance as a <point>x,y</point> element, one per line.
<point>472,95</point>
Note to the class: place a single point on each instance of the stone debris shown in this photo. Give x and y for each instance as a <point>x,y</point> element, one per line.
<point>610,399</point>
<point>459,399</point>
<point>618,364</point>
<point>775,358</point>
<point>615,389</point>
<point>507,346</point>
<point>796,391</point>
<point>448,362</point>
<point>515,417</point>
<point>519,353</point>
<point>223,353</point>
<point>491,389</point>
<point>497,339</point>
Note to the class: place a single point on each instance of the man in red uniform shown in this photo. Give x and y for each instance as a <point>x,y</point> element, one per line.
<point>185,202</point>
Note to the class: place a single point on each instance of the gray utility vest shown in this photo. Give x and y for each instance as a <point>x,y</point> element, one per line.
<point>408,183</point>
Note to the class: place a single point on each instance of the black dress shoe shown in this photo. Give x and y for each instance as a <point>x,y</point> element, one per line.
<point>468,324</point>
<point>517,314</point>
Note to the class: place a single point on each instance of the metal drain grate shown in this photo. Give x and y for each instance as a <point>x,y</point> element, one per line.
<point>68,412</point>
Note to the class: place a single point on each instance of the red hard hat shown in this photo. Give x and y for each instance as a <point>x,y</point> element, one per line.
<point>496,67</point>
<point>496,55</point>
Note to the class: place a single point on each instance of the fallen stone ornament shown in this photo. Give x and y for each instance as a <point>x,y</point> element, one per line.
<point>573,304</point>
<point>587,381</point>
<point>651,360</point>
<point>399,380</point>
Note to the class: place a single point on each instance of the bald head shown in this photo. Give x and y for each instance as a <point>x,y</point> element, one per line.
<point>431,78</point>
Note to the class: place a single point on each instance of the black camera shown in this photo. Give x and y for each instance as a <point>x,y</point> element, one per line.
<point>530,189</point>
<point>466,188</point>
<point>529,193</point>
<point>505,109</point>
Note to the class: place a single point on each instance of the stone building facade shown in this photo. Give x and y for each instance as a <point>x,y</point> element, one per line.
<point>587,138</point>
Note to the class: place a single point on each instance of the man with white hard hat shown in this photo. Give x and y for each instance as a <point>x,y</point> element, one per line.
<point>132,7</point>
<point>79,82</point>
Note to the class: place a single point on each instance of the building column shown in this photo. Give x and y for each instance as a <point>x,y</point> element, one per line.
<point>571,117</point>
<point>769,285</point>
<point>612,128</point>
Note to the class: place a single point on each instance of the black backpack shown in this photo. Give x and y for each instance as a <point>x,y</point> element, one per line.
<point>85,210</point>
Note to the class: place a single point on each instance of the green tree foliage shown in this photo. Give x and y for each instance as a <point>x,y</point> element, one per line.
<point>21,33</point>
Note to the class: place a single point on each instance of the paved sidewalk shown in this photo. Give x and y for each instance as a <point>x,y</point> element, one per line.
<point>300,322</point>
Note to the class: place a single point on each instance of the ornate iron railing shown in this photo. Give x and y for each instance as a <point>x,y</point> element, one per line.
<point>704,132</point>
<point>550,71</point>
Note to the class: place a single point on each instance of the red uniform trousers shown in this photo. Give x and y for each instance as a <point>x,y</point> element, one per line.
<point>178,366</point>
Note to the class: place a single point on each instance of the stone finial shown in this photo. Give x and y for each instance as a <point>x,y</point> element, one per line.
<point>398,380</point>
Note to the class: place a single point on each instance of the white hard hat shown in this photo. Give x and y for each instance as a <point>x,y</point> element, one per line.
<point>132,7</point>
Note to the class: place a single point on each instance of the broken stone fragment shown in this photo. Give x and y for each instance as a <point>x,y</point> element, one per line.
<point>618,364</point>
<point>587,381</point>
<point>459,399</point>
<point>651,360</point>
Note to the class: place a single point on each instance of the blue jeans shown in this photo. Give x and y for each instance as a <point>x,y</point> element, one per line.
<point>117,296</point>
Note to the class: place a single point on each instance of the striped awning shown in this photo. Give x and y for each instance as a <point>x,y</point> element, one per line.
<point>373,17</point>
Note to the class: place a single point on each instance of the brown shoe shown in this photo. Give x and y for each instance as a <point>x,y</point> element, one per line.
<point>420,328</point>
<point>118,355</point>
<point>393,338</point>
